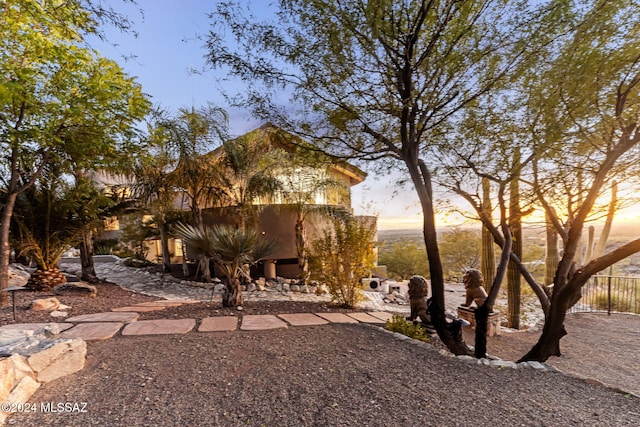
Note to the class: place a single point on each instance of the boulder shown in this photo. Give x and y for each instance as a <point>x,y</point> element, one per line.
<point>45,304</point>
<point>6,378</point>
<point>64,357</point>
<point>76,288</point>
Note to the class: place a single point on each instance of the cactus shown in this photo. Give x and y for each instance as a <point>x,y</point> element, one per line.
<point>513,273</point>
<point>588,255</point>
<point>552,257</point>
<point>604,235</point>
<point>488,259</point>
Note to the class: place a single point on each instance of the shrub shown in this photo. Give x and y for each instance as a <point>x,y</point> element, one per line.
<point>342,257</point>
<point>399,324</point>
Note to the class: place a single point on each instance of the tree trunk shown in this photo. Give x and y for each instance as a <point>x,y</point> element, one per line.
<point>449,333</point>
<point>164,243</point>
<point>5,249</point>
<point>488,258</point>
<point>232,295</point>
<point>205,270</point>
<point>86,257</point>
<point>301,250</point>
<point>549,342</point>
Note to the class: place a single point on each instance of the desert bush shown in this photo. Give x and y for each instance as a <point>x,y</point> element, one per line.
<point>404,259</point>
<point>399,324</point>
<point>342,257</point>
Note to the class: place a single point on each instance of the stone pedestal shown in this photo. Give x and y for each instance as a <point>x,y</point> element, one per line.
<point>493,323</point>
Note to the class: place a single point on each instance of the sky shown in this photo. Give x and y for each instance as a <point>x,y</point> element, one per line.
<point>165,53</point>
<point>168,48</point>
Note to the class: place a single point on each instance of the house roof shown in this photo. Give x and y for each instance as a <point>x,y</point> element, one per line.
<point>278,138</point>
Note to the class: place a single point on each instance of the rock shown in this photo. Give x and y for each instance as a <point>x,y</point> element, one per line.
<point>261,282</point>
<point>260,287</point>
<point>71,277</point>
<point>64,307</point>
<point>251,287</point>
<point>284,287</point>
<point>294,288</point>
<point>7,378</point>
<point>76,288</point>
<point>45,304</point>
<point>21,367</point>
<point>219,288</point>
<point>56,313</point>
<point>64,357</point>
<point>18,276</point>
<point>21,393</point>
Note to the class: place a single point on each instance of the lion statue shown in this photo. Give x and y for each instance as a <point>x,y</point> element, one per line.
<point>473,284</point>
<point>418,290</point>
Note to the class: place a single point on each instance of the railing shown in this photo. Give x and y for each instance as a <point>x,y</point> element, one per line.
<point>610,294</point>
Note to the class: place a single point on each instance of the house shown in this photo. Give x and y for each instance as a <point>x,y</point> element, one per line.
<point>310,182</point>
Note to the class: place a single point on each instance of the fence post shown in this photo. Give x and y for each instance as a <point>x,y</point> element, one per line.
<point>609,291</point>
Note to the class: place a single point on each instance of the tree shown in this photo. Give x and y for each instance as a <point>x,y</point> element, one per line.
<point>343,256</point>
<point>55,98</point>
<point>154,187</point>
<point>597,115</point>
<point>246,167</point>
<point>404,259</point>
<point>231,249</point>
<point>460,249</point>
<point>583,133</point>
<point>192,133</point>
<point>380,79</point>
<point>49,217</point>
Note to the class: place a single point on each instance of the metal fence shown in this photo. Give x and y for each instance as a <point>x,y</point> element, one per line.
<point>610,294</point>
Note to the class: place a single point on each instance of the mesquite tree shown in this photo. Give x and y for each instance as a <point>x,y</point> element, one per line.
<point>379,79</point>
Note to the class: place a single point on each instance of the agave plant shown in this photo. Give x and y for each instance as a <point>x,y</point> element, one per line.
<point>230,249</point>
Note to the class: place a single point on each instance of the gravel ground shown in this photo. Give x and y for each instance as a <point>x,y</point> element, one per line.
<point>336,375</point>
<point>332,375</point>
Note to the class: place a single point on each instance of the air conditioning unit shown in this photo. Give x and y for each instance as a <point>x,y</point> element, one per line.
<point>371,284</point>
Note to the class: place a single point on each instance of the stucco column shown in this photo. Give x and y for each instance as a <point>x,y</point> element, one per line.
<point>270,269</point>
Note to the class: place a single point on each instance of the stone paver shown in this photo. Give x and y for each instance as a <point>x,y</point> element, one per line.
<point>218,324</point>
<point>113,316</point>
<point>93,331</point>
<point>160,303</point>
<point>261,322</point>
<point>159,327</point>
<point>365,318</point>
<point>337,317</point>
<point>36,326</point>
<point>139,309</point>
<point>382,315</point>
<point>303,319</point>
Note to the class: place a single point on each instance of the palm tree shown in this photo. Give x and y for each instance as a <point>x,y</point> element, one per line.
<point>48,219</point>
<point>191,133</point>
<point>246,175</point>
<point>231,249</point>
